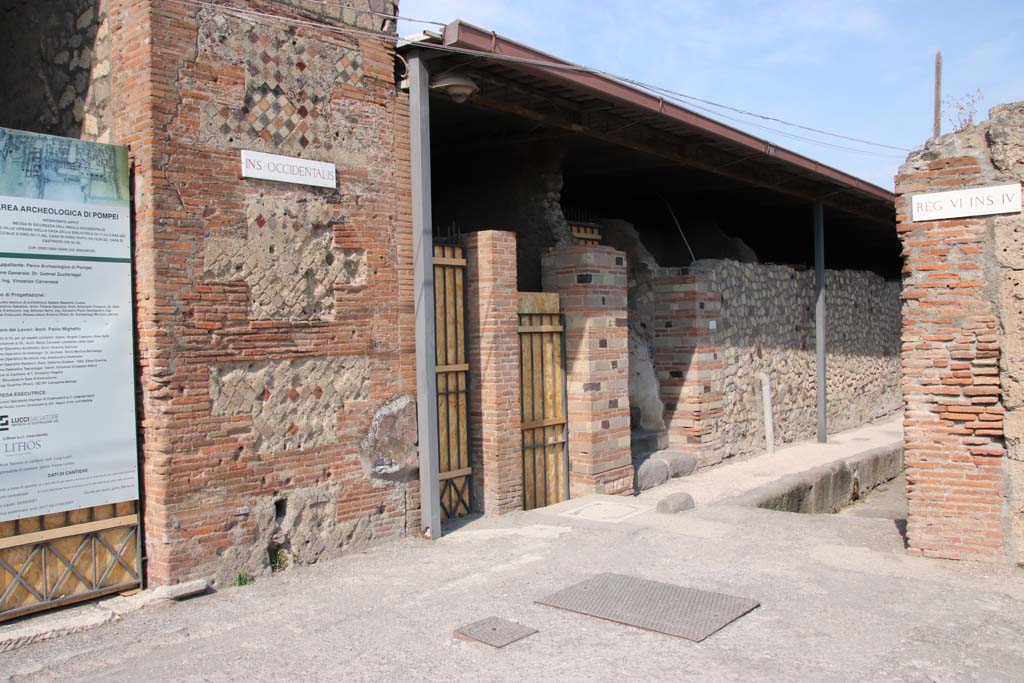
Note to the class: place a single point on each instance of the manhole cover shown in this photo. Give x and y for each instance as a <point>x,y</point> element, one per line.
<point>652,605</point>
<point>495,631</point>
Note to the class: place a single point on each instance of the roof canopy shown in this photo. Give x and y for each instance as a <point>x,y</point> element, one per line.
<point>523,81</point>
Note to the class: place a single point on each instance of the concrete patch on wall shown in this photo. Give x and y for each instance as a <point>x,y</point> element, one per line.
<point>389,451</point>
<point>294,404</point>
<point>287,258</point>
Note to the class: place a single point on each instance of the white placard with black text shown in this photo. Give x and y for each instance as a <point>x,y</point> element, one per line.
<point>288,169</point>
<point>976,201</point>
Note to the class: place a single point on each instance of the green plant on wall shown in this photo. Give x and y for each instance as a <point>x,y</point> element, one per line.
<point>279,560</point>
<point>242,579</point>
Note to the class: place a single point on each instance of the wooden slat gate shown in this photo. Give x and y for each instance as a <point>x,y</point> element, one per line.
<point>53,560</point>
<point>545,426</point>
<point>452,368</point>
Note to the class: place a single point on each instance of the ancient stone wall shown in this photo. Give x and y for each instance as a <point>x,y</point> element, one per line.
<point>275,321</point>
<point>963,349</point>
<point>518,191</point>
<point>740,320</point>
<point>57,68</point>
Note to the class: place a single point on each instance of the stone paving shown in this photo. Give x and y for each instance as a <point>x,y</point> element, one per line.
<point>840,600</point>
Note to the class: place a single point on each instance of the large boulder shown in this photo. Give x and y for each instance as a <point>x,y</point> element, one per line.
<point>651,473</point>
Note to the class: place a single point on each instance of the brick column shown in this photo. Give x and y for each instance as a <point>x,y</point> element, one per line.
<point>953,420</point>
<point>492,339</point>
<point>688,361</point>
<point>592,283</point>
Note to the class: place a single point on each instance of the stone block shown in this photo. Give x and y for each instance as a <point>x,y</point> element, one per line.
<point>679,464</point>
<point>679,501</point>
<point>651,473</point>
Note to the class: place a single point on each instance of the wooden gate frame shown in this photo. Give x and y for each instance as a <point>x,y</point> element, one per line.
<point>58,559</point>
<point>546,429</point>
<point>452,372</point>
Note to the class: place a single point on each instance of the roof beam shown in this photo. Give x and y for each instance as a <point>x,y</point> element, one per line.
<point>465,36</point>
<point>638,137</point>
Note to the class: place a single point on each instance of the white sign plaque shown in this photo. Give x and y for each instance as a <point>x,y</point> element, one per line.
<point>288,169</point>
<point>67,376</point>
<point>978,201</point>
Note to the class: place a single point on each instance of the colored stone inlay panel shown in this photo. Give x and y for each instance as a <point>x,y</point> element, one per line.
<point>287,259</point>
<point>294,404</point>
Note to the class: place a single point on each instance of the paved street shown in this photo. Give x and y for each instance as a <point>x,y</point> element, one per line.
<point>839,601</point>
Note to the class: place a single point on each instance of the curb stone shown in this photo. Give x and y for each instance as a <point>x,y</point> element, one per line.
<point>86,617</point>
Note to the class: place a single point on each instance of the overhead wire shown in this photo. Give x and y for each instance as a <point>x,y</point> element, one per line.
<point>676,96</point>
<point>667,91</point>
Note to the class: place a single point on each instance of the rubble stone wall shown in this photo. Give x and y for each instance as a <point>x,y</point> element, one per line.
<point>275,321</point>
<point>57,68</point>
<point>757,318</point>
<point>963,349</point>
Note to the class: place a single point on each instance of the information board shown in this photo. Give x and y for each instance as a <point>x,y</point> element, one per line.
<point>67,392</point>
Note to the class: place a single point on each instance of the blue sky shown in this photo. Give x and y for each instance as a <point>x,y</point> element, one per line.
<point>862,69</point>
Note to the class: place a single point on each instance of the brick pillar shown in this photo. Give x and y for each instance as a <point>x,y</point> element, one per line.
<point>592,283</point>
<point>688,360</point>
<point>953,420</point>
<point>492,338</point>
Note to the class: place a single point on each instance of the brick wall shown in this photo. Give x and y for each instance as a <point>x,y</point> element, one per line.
<point>686,357</point>
<point>275,321</point>
<point>492,339</point>
<point>962,355</point>
<point>592,283</point>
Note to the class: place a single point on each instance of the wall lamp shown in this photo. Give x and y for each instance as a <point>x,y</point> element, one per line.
<point>457,86</point>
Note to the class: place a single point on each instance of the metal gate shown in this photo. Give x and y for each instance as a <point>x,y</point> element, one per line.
<point>452,369</point>
<point>58,559</point>
<point>545,427</point>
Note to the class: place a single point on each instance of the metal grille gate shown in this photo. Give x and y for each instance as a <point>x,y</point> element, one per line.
<point>545,426</point>
<point>58,559</point>
<point>452,369</point>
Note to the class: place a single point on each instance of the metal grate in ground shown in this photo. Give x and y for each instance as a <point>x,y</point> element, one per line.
<point>495,631</point>
<point>652,605</point>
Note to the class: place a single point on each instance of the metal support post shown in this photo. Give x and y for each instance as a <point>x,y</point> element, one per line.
<point>423,275</point>
<point>819,320</point>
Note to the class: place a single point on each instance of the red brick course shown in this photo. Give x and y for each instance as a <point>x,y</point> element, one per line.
<point>592,283</point>
<point>203,480</point>
<point>687,359</point>
<point>492,337</point>
<point>953,421</point>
